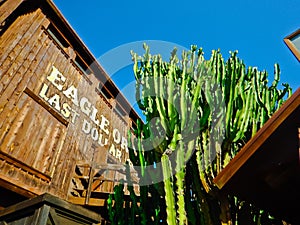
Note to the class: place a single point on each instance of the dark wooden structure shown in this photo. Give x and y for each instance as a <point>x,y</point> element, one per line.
<point>63,122</point>
<point>47,210</point>
<point>266,171</point>
<point>293,43</point>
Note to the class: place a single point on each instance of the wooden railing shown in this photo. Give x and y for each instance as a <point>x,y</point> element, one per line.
<point>91,184</point>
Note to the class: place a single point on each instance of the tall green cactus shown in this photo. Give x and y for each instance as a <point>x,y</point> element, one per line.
<point>205,111</point>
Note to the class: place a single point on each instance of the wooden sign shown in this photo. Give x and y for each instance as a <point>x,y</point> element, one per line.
<point>58,132</point>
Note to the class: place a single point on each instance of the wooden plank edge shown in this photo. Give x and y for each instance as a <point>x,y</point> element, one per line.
<point>19,164</point>
<point>258,139</point>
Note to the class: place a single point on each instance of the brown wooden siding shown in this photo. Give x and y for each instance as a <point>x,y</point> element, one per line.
<point>44,133</point>
<point>7,8</point>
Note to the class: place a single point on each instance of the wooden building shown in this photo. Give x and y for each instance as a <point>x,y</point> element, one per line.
<point>63,122</point>
<point>292,41</point>
<point>266,171</point>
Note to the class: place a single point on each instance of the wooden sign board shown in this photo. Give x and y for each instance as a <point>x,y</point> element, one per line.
<point>53,117</point>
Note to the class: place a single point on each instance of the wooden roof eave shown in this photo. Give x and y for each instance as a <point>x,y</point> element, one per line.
<point>257,140</point>
<point>291,46</point>
<point>121,98</point>
<point>7,8</point>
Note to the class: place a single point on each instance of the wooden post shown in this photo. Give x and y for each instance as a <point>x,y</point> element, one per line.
<point>41,215</point>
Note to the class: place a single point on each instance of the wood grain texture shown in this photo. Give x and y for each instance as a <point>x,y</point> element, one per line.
<point>7,8</point>
<point>40,146</point>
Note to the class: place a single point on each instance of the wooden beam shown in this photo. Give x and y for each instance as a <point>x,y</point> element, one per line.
<point>53,216</point>
<point>41,215</point>
<point>48,201</point>
<point>18,187</point>
<point>7,8</point>
<point>42,103</point>
<point>258,139</point>
<point>82,201</point>
<point>19,164</point>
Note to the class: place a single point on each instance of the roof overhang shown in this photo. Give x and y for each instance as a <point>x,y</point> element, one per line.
<point>266,171</point>
<point>293,43</point>
<point>55,15</point>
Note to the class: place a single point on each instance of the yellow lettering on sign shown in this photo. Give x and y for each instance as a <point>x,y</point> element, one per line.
<point>55,102</point>
<point>100,141</point>
<point>116,136</point>
<point>93,115</point>
<point>86,126</point>
<point>94,124</point>
<point>104,124</point>
<point>72,94</point>
<point>74,116</point>
<point>66,110</point>
<point>124,144</point>
<point>94,134</point>
<point>85,106</point>
<point>115,152</point>
<point>118,154</point>
<point>56,78</point>
<point>112,150</point>
<point>44,91</point>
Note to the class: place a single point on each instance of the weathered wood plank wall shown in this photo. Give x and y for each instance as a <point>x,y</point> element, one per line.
<point>51,117</point>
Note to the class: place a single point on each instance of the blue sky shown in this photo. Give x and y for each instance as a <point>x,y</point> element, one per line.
<point>255,28</point>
